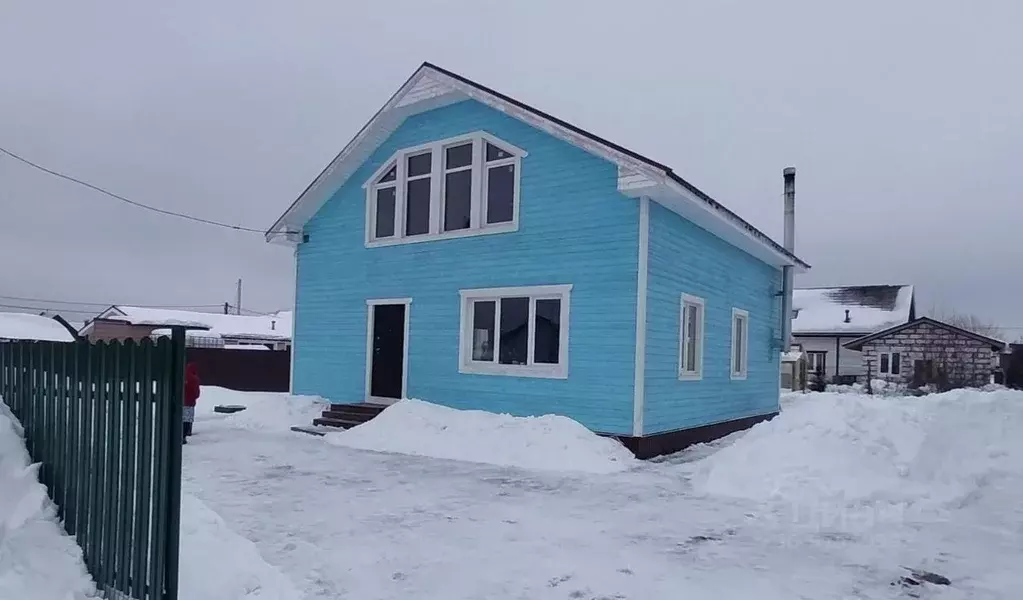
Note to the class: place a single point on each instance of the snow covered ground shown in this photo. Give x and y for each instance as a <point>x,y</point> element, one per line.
<point>839,497</point>
<point>38,561</point>
<point>836,498</point>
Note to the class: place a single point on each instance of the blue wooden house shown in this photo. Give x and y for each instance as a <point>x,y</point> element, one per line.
<point>470,250</point>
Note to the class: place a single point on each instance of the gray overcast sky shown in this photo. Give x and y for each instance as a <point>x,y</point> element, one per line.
<point>905,120</point>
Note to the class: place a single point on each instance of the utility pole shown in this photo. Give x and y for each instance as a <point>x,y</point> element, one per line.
<point>238,301</point>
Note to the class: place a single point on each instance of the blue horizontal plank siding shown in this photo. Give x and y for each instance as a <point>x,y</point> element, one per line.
<point>685,259</point>
<point>574,228</point>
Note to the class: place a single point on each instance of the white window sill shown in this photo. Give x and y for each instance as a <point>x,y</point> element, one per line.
<point>738,377</point>
<point>447,235</point>
<point>534,371</point>
<point>690,376</point>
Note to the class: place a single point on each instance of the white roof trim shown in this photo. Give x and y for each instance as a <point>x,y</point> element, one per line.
<point>430,88</point>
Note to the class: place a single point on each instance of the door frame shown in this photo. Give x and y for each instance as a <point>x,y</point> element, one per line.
<point>371,304</point>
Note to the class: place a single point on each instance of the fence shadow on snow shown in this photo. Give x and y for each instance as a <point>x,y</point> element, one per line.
<point>104,420</point>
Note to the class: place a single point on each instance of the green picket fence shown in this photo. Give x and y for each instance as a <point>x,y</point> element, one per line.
<point>104,420</point>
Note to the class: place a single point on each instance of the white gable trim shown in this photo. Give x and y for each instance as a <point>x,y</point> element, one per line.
<point>430,88</point>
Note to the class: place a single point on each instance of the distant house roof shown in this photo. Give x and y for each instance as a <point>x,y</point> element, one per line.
<point>22,326</point>
<point>276,326</point>
<point>854,310</point>
<point>431,87</point>
<point>858,343</point>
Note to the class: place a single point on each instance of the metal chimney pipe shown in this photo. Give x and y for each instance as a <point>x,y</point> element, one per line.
<point>789,174</point>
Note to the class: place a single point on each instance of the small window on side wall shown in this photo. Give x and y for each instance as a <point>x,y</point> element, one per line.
<point>691,338</point>
<point>740,343</point>
<point>890,363</point>
<point>515,331</point>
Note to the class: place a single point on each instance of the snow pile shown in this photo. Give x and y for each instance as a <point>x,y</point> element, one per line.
<point>21,326</point>
<point>934,452</point>
<point>38,561</point>
<point>879,387</point>
<point>265,411</point>
<point>549,442</point>
<point>218,564</point>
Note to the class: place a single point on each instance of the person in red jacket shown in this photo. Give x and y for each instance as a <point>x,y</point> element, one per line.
<point>191,396</point>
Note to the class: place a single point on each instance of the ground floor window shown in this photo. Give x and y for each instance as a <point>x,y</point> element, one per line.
<point>691,338</point>
<point>817,362</point>
<point>890,363</point>
<point>516,331</point>
<point>740,343</point>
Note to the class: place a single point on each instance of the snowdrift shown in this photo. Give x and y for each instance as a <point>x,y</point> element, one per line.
<point>218,564</point>
<point>549,442</point>
<point>265,411</point>
<point>937,452</point>
<point>37,559</point>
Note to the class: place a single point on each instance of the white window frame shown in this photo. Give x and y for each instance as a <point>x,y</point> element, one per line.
<point>371,304</point>
<point>530,369</point>
<point>403,197</point>
<point>890,355</point>
<point>683,374</point>
<point>373,186</point>
<point>810,355</point>
<point>480,170</point>
<point>741,371</point>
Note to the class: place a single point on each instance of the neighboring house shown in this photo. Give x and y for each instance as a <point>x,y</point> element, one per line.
<point>470,250</point>
<point>22,326</point>
<point>211,329</point>
<point>928,352</point>
<point>825,318</point>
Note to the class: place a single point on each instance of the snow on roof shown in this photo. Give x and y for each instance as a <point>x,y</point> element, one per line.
<point>854,310</point>
<point>22,326</point>
<point>276,326</point>
<point>792,356</point>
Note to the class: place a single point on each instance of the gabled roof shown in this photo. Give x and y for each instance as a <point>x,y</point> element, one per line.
<point>853,310</point>
<point>431,87</point>
<point>275,326</point>
<point>857,344</point>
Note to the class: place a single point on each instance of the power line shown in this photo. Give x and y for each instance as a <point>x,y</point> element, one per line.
<point>21,307</point>
<point>161,211</point>
<point>74,302</point>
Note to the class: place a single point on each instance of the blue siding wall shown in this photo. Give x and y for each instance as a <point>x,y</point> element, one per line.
<point>574,227</point>
<point>686,259</point>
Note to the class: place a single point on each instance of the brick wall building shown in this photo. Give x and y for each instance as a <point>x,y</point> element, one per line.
<point>929,352</point>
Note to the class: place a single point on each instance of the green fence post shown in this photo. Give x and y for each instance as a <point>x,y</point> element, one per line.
<point>111,460</point>
<point>95,440</point>
<point>177,396</point>
<point>128,516</point>
<point>49,430</point>
<point>70,519</point>
<point>28,406</point>
<point>142,559</point>
<point>160,446</point>
<point>57,434</point>
<point>23,389</point>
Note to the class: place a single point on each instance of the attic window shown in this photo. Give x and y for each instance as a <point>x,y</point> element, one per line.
<point>463,186</point>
